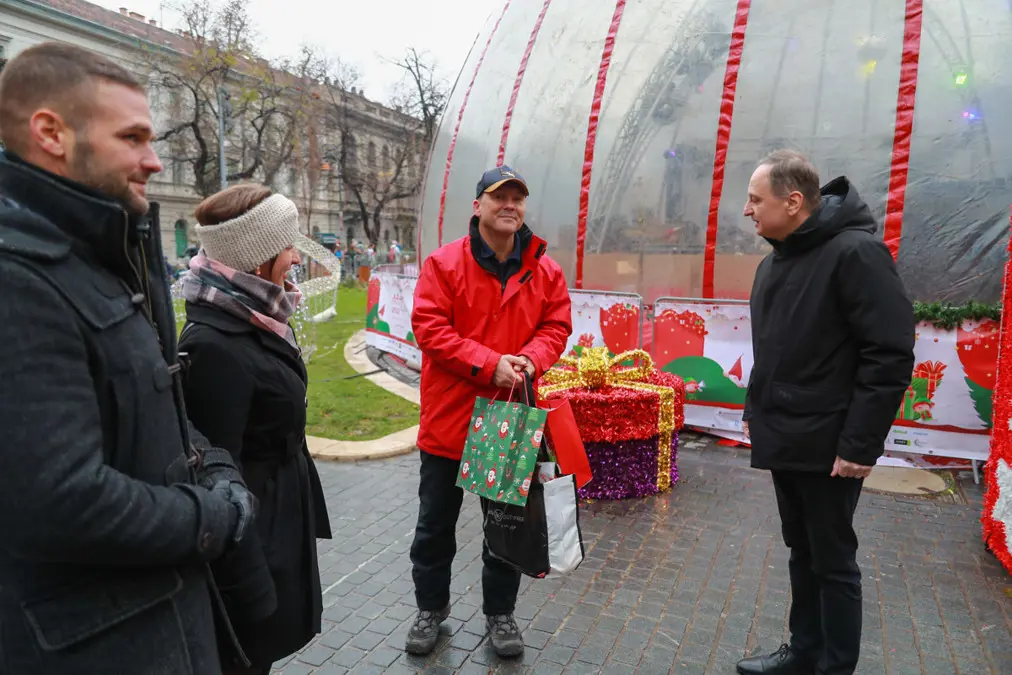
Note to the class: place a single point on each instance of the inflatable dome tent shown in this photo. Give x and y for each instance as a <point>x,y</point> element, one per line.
<point>638,124</point>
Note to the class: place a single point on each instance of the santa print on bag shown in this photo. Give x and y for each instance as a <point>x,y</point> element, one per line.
<point>525,487</point>
<point>503,430</point>
<point>465,469</point>
<point>478,422</point>
<point>536,439</point>
<point>490,479</point>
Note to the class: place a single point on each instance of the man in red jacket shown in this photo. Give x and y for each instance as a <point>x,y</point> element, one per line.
<point>487,308</point>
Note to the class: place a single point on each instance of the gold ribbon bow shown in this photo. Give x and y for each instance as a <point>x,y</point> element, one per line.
<point>594,369</point>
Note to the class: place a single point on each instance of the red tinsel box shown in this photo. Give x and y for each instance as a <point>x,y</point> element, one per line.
<point>611,414</point>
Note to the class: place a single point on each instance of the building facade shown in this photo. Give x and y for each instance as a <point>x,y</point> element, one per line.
<point>328,207</point>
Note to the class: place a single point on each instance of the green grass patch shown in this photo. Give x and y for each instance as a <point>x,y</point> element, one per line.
<point>342,409</point>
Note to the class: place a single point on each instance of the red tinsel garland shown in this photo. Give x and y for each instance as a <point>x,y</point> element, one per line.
<point>612,414</point>
<point>995,534</point>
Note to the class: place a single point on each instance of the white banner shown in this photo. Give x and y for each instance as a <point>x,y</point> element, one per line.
<point>946,410</point>
<point>609,320</point>
<point>388,316</point>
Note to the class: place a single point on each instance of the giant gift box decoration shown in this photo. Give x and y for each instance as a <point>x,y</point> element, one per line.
<point>628,416</point>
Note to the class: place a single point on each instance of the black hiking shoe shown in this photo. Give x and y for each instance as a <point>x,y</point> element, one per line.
<point>505,635</point>
<point>425,631</point>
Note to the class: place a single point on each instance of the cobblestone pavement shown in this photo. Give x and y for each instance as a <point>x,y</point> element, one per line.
<point>685,582</point>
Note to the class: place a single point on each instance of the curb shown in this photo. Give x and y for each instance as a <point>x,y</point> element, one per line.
<point>394,445</point>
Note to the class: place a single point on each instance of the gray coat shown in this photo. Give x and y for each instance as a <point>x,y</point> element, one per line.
<point>104,540</point>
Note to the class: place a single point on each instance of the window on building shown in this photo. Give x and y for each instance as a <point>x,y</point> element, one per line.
<point>371,156</point>
<point>293,180</point>
<point>178,172</point>
<point>351,151</point>
<point>5,43</point>
<point>386,158</point>
<point>386,236</point>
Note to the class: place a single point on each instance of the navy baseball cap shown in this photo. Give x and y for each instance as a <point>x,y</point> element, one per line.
<point>495,178</point>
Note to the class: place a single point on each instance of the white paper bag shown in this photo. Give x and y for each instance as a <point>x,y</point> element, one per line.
<point>565,545</point>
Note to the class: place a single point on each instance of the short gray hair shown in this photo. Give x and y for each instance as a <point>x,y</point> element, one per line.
<point>791,171</point>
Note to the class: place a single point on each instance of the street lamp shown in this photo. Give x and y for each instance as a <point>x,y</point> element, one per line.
<point>224,113</point>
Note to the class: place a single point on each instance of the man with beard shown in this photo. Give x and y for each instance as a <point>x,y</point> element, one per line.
<point>833,340</point>
<point>111,505</point>
<point>487,308</point>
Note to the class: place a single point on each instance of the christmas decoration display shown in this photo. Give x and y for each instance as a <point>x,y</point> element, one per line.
<point>997,516</point>
<point>628,418</point>
<point>948,316</point>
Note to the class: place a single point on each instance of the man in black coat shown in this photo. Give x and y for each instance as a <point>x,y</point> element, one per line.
<point>111,505</point>
<point>833,341</point>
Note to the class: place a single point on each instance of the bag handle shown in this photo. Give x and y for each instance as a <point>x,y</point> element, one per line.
<point>530,398</point>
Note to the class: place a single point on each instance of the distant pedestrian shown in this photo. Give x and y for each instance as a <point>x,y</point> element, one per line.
<point>833,341</point>
<point>246,390</point>
<point>487,307</point>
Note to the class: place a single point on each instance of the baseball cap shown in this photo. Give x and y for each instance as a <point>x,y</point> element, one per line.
<point>495,178</point>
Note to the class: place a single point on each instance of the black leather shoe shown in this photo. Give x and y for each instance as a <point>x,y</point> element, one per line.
<point>781,662</point>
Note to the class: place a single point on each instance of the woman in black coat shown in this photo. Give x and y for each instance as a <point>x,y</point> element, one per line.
<point>245,389</point>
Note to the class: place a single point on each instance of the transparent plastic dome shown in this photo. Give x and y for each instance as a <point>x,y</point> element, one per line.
<point>821,77</point>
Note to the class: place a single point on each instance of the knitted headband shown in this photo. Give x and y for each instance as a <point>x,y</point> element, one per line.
<point>248,241</point>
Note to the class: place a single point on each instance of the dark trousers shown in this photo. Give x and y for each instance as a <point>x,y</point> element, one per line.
<point>435,544</point>
<point>817,516</point>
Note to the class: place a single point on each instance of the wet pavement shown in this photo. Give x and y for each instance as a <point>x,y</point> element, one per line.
<point>685,582</point>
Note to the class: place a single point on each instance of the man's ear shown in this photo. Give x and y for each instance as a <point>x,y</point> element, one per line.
<point>794,203</point>
<point>50,133</point>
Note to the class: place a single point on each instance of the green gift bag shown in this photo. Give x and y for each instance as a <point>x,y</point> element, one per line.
<point>501,450</point>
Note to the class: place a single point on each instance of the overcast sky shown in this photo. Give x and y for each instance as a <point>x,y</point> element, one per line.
<point>361,32</point>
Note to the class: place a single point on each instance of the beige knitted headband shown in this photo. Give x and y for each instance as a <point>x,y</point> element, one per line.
<point>248,241</point>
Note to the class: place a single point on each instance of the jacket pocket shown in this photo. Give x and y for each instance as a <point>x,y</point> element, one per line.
<point>131,619</point>
<point>795,399</point>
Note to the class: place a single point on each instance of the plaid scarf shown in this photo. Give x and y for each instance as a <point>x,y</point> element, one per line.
<point>245,296</point>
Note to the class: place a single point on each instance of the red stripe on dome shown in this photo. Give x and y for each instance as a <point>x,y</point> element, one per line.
<point>905,99</point>
<point>723,139</point>
<point>588,152</point>
<point>460,117</point>
<point>520,78</point>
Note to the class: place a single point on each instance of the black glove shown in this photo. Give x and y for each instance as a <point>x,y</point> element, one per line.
<point>216,464</point>
<point>245,504</point>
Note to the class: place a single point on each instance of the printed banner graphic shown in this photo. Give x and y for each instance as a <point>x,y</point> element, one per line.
<point>946,410</point>
<point>609,320</point>
<point>388,315</point>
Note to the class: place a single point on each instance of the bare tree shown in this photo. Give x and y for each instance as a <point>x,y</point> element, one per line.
<point>377,178</point>
<point>421,93</point>
<point>310,132</point>
<point>217,54</point>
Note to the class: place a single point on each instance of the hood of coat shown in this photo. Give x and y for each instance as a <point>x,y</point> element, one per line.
<point>841,209</point>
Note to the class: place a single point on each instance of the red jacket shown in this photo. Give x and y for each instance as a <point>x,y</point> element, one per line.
<point>464,321</point>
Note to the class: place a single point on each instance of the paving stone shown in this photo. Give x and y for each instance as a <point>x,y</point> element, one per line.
<point>699,572</point>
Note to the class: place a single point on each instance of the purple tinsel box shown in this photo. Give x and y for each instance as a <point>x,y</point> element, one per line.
<point>625,432</point>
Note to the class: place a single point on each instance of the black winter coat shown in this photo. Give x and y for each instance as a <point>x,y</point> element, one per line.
<point>103,540</point>
<point>246,391</point>
<point>832,338</point>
